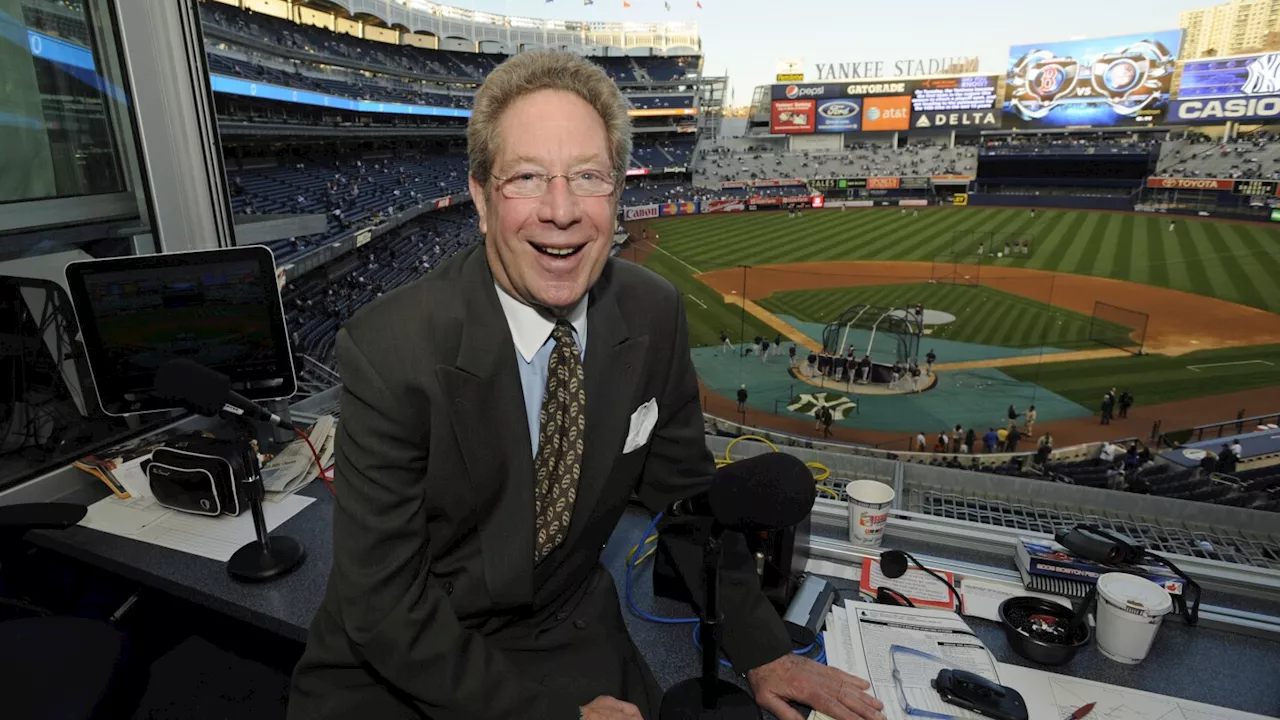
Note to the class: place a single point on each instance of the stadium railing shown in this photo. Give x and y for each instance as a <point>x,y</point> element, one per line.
<point>1007,506</point>
<point>719,426</point>
<point>1239,426</point>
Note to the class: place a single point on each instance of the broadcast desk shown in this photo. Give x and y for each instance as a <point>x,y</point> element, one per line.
<point>1200,664</point>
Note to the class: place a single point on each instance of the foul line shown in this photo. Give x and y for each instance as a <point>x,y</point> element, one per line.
<point>1196,368</point>
<point>704,305</point>
<point>695,270</point>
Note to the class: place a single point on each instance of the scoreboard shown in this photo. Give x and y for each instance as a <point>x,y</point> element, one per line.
<point>956,102</point>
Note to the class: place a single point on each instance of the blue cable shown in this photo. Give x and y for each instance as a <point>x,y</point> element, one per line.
<point>697,625</point>
<point>631,565</point>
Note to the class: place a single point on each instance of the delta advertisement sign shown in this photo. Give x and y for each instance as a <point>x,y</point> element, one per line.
<point>969,101</point>
<point>1236,88</point>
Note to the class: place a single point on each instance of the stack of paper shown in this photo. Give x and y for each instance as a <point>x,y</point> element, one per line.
<point>216,538</point>
<point>295,467</point>
<point>900,650</point>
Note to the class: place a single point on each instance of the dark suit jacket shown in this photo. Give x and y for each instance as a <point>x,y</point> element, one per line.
<point>434,607</point>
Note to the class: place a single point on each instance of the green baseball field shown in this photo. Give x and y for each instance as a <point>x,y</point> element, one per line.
<point>1120,298</point>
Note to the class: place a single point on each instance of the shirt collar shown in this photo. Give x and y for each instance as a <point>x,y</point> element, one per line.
<point>530,328</point>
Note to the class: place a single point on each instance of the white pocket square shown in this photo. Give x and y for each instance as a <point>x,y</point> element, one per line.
<point>642,422</point>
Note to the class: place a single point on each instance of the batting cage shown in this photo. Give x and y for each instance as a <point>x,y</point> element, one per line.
<point>1118,327</point>
<point>956,268</point>
<point>888,336</point>
<point>998,244</point>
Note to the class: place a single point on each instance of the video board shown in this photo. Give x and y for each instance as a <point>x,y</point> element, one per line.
<point>1216,90</point>
<point>966,101</point>
<point>1104,82</point>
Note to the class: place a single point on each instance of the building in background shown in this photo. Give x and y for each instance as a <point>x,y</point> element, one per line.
<point>1235,27</point>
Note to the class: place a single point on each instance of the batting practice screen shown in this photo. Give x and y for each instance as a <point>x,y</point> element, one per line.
<point>1118,327</point>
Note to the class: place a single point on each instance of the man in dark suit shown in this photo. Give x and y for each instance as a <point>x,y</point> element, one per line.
<point>496,417</point>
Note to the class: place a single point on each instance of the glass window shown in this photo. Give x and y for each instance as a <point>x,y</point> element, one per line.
<point>55,123</point>
<point>70,189</point>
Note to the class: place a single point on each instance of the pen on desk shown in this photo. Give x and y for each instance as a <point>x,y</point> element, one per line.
<point>1081,711</point>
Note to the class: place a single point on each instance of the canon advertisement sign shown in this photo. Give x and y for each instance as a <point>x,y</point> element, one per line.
<point>644,212</point>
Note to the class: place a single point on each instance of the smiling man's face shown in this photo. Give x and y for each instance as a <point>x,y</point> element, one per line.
<point>547,251</point>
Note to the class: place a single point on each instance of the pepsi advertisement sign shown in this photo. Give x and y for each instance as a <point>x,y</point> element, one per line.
<point>840,115</point>
<point>1216,90</point>
<point>1104,82</point>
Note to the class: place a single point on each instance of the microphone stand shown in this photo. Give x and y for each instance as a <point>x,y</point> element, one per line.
<point>266,557</point>
<point>708,697</point>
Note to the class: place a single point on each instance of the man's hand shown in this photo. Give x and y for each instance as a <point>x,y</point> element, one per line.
<point>829,691</point>
<point>609,708</point>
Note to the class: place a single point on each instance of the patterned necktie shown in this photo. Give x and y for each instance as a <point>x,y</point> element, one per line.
<point>562,426</point>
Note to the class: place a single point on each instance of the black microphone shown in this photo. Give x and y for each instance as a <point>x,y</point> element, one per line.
<point>893,564</point>
<point>765,492</point>
<point>208,392</point>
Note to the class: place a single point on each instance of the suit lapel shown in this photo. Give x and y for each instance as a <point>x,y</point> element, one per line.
<point>486,406</point>
<point>614,361</point>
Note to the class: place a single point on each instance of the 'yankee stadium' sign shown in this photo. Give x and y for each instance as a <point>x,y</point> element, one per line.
<point>910,67</point>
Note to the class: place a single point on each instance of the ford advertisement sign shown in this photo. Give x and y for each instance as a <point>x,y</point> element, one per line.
<point>838,116</point>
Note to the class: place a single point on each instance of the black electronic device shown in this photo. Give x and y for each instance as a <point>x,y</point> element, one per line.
<point>220,308</point>
<point>1117,551</point>
<point>763,493</point>
<point>978,694</point>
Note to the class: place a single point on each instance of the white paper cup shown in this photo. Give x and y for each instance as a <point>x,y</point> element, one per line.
<point>869,503</point>
<point>1130,610</point>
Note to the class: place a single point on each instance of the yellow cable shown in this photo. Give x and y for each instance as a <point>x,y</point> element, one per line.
<point>834,495</point>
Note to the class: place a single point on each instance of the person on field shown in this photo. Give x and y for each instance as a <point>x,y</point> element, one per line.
<point>827,419</point>
<point>971,441</point>
<point>989,440</point>
<point>1031,420</point>
<point>764,351</point>
<point>742,398</point>
<point>929,360</point>
<point>792,353</point>
<point>1126,402</point>
<point>725,345</point>
<point>1002,435</point>
<point>921,443</point>
<point>1108,403</point>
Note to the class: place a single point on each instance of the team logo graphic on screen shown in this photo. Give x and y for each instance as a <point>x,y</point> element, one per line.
<point>1130,81</point>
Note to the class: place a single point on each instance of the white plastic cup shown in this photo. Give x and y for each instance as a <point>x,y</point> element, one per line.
<point>1130,609</point>
<point>869,503</point>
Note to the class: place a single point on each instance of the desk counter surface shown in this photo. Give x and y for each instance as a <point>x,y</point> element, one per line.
<point>1199,664</point>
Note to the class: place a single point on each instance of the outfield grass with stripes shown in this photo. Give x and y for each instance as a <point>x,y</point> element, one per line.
<point>706,310</point>
<point>1158,378</point>
<point>1232,261</point>
<point>983,315</point>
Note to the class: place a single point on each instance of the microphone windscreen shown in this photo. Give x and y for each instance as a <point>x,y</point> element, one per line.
<point>202,389</point>
<point>893,563</point>
<point>766,492</point>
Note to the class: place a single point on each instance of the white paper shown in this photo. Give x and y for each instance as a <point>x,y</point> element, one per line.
<point>915,584</point>
<point>982,598</point>
<point>216,538</point>
<point>1051,696</point>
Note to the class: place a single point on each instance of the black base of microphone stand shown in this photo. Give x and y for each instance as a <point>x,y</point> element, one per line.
<point>255,563</point>
<point>267,557</point>
<point>708,697</point>
<point>684,702</point>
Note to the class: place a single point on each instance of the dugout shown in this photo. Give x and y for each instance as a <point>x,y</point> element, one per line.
<point>888,336</point>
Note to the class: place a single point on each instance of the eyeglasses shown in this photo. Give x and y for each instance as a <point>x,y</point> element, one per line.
<point>584,183</point>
